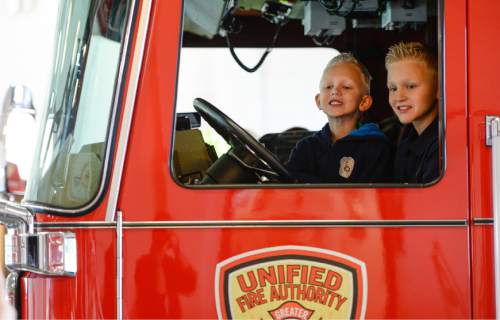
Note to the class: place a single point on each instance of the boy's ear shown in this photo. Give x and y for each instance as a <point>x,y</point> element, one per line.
<point>366,103</point>
<point>316,98</point>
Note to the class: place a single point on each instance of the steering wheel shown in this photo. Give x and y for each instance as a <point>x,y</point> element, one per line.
<point>237,136</point>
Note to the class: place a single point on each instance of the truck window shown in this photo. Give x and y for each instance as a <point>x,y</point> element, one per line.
<point>249,72</point>
<point>70,155</point>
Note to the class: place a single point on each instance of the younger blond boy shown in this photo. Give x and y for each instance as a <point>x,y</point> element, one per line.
<point>343,151</point>
<point>412,81</point>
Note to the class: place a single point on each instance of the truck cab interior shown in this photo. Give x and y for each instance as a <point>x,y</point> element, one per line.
<point>249,70</point>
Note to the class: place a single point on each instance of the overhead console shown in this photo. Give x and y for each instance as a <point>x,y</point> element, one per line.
<point>319,18</point>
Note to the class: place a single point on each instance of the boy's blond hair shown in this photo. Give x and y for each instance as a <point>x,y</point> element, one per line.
<point>411,50</point>
<point>349,57</point>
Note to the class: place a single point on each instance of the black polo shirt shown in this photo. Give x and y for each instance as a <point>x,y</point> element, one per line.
<point>363,156</point>
<point>417,156</point>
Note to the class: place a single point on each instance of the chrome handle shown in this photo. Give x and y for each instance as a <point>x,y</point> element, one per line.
<point>48,253</point>
<point>493,140</point>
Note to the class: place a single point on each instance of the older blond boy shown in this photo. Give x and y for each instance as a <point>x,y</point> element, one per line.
<point>343,151</point>
<point>413,95</point>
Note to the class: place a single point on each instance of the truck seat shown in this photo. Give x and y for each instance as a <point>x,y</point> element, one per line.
<point>192,156</point>
<point>281,144</point>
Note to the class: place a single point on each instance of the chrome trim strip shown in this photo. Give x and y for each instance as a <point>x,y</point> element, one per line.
<point>482,221</point>
<point>75,225</point>
<point>296,223</point>
<point>119,265</point>
<point>256,223</point>
<point>494,125</point>
<point>128,111</point>
<point>107,158</point>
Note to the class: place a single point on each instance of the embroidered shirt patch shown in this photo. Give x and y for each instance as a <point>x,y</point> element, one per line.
<point>346,167</point>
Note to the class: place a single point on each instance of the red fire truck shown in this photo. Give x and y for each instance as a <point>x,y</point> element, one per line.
<point>148,199</point>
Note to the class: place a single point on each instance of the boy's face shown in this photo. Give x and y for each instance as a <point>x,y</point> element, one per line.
<point>412,92</point>
<point>342,92</point>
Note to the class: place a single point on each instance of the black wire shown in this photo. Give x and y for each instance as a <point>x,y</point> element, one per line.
<point>262,58</point>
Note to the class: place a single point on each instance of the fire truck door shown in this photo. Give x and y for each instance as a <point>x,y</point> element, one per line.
<point>317,251</point>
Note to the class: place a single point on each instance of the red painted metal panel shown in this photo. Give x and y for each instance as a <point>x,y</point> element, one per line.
<point>411,272</point>
<point>483,279</point>
<point>483,97</point>
<point>483,26</point>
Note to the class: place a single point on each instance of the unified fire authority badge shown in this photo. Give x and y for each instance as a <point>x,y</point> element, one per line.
<point>291,282</point>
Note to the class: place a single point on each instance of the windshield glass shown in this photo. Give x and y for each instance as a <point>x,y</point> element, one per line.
<point>69,157</point>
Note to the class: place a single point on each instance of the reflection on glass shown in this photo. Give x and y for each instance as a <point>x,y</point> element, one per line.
<point>69,154</point>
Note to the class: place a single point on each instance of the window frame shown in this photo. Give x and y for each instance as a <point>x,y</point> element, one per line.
<point>440,36</point>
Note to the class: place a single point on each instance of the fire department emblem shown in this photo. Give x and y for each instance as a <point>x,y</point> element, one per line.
<point>291,282</point>
<point>346,167</point>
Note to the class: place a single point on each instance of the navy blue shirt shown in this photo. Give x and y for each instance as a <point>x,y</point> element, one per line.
<point>417,156</point>
<point>365,155</point>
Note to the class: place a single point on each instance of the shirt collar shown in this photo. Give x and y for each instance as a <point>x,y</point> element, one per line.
<point>419,143</point>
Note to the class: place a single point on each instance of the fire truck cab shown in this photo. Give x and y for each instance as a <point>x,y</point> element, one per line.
<point>159,190</point>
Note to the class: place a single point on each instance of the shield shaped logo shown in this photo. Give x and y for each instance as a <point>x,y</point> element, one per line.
<point>346,167</point>
<point>291,282</point>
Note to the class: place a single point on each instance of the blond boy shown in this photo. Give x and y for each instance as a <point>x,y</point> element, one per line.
<point>412,81</point>
<point>343,151</point>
